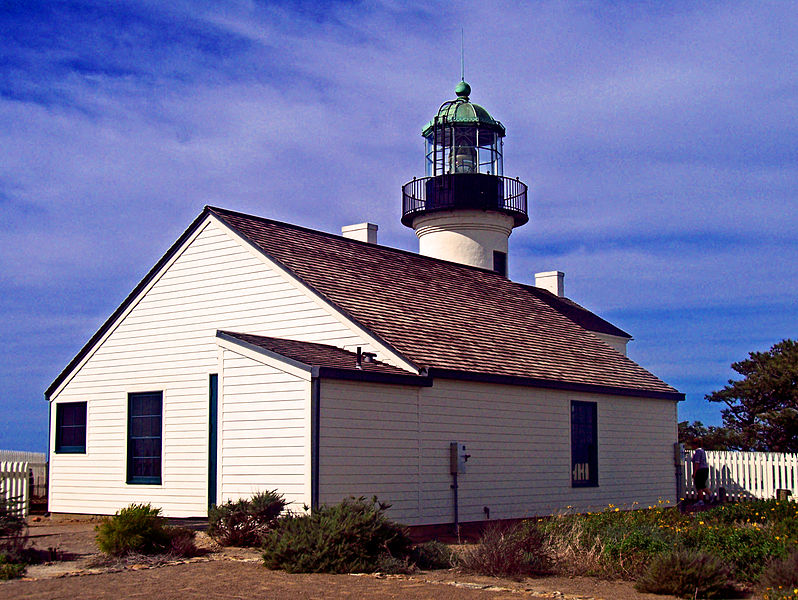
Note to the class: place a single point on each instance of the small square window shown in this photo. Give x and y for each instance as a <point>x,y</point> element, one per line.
<point>70,427</point>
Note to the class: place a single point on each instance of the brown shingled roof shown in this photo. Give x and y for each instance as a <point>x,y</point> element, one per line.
<point>314,355</point>
<point>444,315</point>
<point>577,313</point>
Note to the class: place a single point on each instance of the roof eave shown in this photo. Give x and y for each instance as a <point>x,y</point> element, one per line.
<point>554,384</point>
<point>562,305</point>
<point>372,376</point>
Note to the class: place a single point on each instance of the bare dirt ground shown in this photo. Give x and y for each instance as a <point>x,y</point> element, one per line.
<point>235,573</point>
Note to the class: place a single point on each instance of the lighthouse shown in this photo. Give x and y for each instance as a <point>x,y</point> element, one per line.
<point>464,208</point>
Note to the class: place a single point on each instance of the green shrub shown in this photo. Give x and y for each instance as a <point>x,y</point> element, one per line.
<point>431,555</point>
<point>139,528</point>
<point>621,543</point>
<point>10,569</point>
<point>687,575</point>
<point>781,574</point>
<point>512,552</point>
<point>136,528</point>
<point>349,537</point>
<point>745,548</point>
<point>776,517</point>
<point>245,522</point>
<point>628,550</point>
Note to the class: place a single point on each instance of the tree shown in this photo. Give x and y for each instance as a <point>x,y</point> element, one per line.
<point>709,438</point>
<point>763,406</point>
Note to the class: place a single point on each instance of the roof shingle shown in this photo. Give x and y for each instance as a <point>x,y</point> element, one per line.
<point>314,355</point>
<point>449,316</point>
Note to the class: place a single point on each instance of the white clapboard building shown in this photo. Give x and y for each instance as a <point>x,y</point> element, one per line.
<point>258,355</point>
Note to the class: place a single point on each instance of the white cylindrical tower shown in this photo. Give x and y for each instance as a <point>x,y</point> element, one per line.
<point>464,210</point>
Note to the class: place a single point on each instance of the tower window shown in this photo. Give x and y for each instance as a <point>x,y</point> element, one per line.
<point>500,262</point>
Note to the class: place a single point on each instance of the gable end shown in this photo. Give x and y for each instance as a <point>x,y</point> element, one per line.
<point>171,254</point>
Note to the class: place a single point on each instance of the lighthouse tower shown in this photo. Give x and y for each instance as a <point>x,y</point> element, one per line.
<point>465,209</point>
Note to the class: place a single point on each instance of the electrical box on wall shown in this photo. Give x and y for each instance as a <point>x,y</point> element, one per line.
<point>457,458</point>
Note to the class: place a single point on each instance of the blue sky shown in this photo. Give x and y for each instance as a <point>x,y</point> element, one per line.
<point>659,141</point>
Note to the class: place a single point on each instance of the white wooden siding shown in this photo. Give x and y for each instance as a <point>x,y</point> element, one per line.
<point>519,441</point>
<point>264,431</point>
<point>369,445</point>
<point>166,342</point>
<point>385,440</point>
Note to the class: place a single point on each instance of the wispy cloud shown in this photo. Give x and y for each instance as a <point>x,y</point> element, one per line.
<point>657,138</point>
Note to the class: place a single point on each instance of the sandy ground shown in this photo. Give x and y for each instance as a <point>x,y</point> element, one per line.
<point>238,574</point>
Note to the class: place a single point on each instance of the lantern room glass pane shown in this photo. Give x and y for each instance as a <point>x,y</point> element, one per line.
<point>463,153</point>
<point>433,153</point>
<point>462,149</point>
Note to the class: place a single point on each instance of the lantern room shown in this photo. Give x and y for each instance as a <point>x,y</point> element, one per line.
<point>463,138</point>
<point>464,209</point>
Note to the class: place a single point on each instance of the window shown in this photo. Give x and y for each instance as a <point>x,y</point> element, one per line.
<point>584,444</point>
<point>70,427</point>
<point>144,437</point>
<point>500,262</point>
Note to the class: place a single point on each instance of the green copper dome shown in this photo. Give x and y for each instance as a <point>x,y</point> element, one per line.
<point>462,111</point>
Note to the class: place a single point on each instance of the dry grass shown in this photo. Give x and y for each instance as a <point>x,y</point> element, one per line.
<point>569,554</point>
<point>133,560</point>
<point>515,552</point>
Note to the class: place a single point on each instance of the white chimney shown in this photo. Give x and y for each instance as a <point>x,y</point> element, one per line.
<point>551,281</point>
<point>364,232</point>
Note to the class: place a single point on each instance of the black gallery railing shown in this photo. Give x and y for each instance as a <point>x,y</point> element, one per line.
<point>464,190</point>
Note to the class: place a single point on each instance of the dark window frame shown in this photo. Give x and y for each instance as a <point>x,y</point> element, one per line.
<point>146,421</point>
<point>81,408</point>
<point>584,444</point>
<point>500,262</point>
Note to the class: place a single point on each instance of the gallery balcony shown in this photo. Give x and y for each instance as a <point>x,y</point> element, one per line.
<point>456,191</point>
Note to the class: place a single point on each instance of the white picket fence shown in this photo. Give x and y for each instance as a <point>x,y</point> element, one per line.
<point>15,485</point>
<point>745,475</point>
<point>37,463</point>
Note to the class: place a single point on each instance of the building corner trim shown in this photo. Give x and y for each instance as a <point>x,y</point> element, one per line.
<point>315,422</point>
